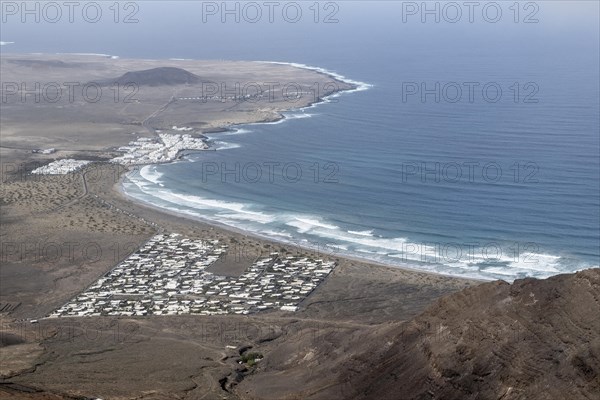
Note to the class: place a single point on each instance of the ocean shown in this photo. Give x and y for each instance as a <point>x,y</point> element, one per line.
<point>470,149</point>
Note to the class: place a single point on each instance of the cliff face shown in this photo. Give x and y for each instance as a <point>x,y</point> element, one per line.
<point>534,339</point>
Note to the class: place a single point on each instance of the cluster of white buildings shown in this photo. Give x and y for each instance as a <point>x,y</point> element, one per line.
<point>181,129</point>
<point>60,167</point>
<point>165,149</point>
<point>168,276</point>
<point>44,151</point>
<point>142,151</point>
<point>274,282</point>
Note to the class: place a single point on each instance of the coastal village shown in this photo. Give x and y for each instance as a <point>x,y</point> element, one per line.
<point>162,149</point>
<point>152,151</point>
<point>60,167</point>
<point>169,276</point>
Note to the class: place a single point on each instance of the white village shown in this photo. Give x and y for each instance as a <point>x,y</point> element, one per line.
<point>164,148</point>
<point>168,276</point>
<point>60,167</point>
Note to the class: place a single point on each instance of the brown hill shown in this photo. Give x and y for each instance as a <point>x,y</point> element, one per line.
<point>534,339</point>
<point>162,76</point>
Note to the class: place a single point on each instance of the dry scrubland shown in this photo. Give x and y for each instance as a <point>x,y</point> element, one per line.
<point>367,332</point>
<point>79,122</point>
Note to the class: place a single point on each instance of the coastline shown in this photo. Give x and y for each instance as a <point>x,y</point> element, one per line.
<point>276,113</point>
<point>281,117</point>
<point>276,117</point>
<point>156,211</point>
<point>132,221</point>
<point>355,86</point>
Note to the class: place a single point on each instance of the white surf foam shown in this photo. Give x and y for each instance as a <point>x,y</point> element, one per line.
<point>222,209</point>
<point>306,224</point>
<point>249,216</point>
<point>218,145</point>
<point>151,173</point>
<point>238,131</point>
<point>303,228</point>
<point>274,233</point>
<point>362,233</point>
<point>360,86</point>
<point>298,115</point>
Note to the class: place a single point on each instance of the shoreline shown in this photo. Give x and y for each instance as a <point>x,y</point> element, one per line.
<point>279,116</point>
<point>276,115</point>
<point>119,191</point>
<point>356,86</point>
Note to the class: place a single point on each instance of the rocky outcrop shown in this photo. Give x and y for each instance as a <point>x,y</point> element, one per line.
<point>534,339</point>
<point>162,76</point>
